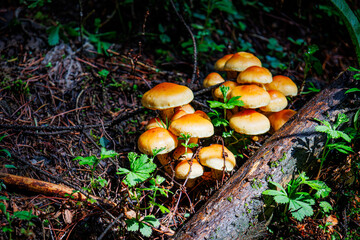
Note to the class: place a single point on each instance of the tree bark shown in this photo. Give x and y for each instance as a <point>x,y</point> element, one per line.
<point>233,211</point>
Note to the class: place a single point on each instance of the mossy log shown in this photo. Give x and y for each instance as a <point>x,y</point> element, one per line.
<point>233,211</point>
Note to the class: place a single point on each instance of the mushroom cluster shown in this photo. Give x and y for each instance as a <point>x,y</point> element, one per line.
<point>177,119</point>
<point>264,96</point>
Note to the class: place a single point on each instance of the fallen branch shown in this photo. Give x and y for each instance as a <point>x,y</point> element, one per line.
<point>47,188</point>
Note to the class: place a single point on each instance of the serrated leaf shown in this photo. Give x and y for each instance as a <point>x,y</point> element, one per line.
<point>281,199</point>
<point>107,153</point>
<point>299,210</point>
<point>132,224</point>
<point>151,219</point>
<point>323,129</point>
<point>140,169</point>
<point>325,206</point>
<point>215,104</point>
<point>145,230</point>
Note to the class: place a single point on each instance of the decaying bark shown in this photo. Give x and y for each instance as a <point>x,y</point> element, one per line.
<point>47,188</point>
<point>231,213</point>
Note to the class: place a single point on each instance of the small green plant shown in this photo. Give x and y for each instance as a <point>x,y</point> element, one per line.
<point>140,172</point>
<point>220,120</point>
<point>332,133</point>
<point>300,203</point>
<point>144,225</point>
<point>186,139</point>
<point>103,74</point>
<point>92,161</point>
<point>141,168</point>
<point>21,215</point>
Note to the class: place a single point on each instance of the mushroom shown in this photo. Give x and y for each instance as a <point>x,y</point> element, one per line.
<point>212,79</point>
<point>178,114</point>
<point>155,122</point>
<point>283,84</point>
<point>187,108</point>
<point>252,96</point>
<point>218,94</point>
<point>220,64</point>
<point>158,138</point>
<point>249,122</point>
<point>239,62</point>
<point>277,103</point>
<point>165,97</point>
<point>218,158</point>
<point>182,153</point>
<point>278,119</point>
<point>255,75</point>
<point>189,169</point>
<point>202,114</point>
<point>192,124</point>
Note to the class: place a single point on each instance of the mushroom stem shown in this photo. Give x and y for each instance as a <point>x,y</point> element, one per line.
<point>164,159</point>
<point>216,174</point>
<point>166,114</point>
<point>190,182</point>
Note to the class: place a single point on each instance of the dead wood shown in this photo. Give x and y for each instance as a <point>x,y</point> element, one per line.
<point>47,188</point>
<point>233,211</point>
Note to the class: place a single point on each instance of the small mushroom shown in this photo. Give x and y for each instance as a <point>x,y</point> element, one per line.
<point>278,119</point>
<point>283,84</point>
<point>252,96</point>
<point>189,169</point>
<point>277,103</point>
<point>218,158</point>
<point>165,97</point>
<point>249,122</point>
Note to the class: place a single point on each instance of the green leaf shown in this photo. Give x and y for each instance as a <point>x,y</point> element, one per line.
<point>132,224</point>
<point>24,215</point>
<point>9,166</point>
<point>7,229</point>
<point>54,37</point>
<point>325,206</point>
<point>340,147</point>
<point>322,190</point>
<point>145,230</point>
<point>215,104</point>
<point>140,169</point>
<point>351,90</point>
<point>151,219</point>
<point>90,160</point>
<point>299,210</point>
<point>3,207</point>
<point>107,153</point>
<point>271,192</point>
<point>351,21</point>
<point>217,122</point>
<point>281,199</point>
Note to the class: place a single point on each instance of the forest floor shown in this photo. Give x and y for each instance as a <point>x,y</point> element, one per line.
<point>64,101</point>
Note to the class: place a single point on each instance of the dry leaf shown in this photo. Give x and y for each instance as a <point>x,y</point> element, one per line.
<point>67,216</point>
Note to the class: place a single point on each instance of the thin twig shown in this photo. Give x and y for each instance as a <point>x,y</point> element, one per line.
<point>193,40</point>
